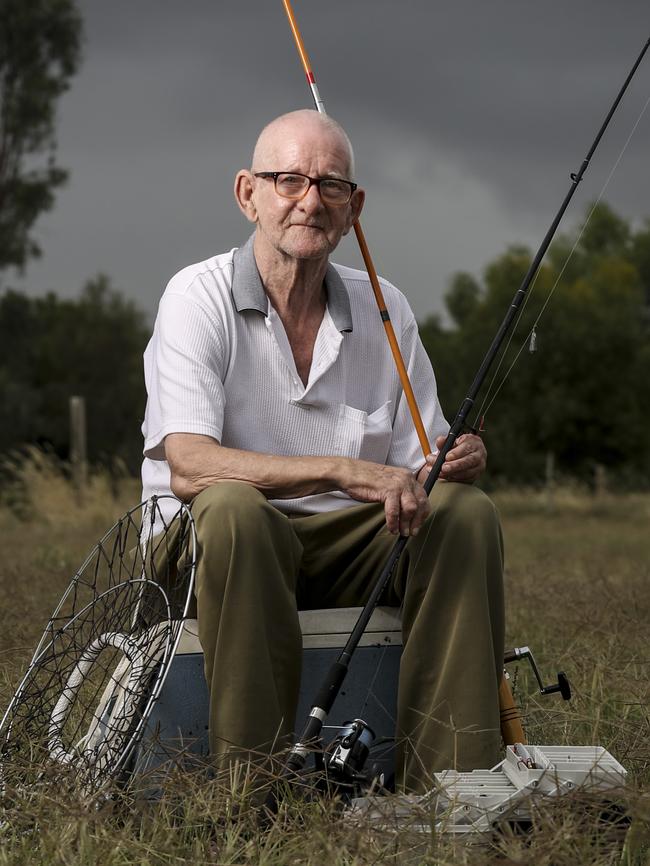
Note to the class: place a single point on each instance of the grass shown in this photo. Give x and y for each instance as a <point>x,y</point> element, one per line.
<point>577,587</point>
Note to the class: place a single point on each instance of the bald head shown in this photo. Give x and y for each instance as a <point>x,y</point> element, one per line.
<point>303,124</point>
<point>306,226</point>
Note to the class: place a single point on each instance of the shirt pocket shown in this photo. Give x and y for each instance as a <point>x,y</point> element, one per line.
<point>362,435</point>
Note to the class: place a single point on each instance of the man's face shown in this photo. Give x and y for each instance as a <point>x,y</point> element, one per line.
<point>306,228</point>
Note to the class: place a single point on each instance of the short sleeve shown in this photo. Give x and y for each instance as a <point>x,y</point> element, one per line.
<point>184,371</point>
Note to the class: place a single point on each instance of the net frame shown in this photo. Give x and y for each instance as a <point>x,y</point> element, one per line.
<point>101,663</point>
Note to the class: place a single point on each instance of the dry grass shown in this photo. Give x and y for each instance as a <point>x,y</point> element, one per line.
<point>577,583</point>
<point>46,530</point>
<point>577,589</point>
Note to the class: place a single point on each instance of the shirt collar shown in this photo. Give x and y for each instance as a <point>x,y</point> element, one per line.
<point>248,292</point>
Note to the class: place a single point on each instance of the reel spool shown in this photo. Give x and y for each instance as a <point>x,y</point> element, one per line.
<point>348,752</point>
<point>342,763</point>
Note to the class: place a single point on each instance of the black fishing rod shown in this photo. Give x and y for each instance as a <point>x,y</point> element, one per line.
<point>332,683</point>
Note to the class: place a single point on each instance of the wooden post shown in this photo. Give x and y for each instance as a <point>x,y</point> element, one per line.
<point>549,471</point>
<point>78,448</point>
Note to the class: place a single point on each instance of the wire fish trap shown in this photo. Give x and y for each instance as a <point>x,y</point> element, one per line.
<point>102,660</point>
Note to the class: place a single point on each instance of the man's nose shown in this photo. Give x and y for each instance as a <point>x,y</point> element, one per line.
<point>312,201</point>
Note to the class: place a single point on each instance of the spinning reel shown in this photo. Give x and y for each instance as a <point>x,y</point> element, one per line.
<point>346,756</point>
<point>340,765</point>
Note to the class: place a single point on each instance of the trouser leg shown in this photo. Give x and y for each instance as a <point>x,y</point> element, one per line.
<point>451,588</point>
<point>248,624</point>
<point>449,584</point>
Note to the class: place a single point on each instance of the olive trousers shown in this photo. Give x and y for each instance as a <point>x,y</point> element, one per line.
<point>257,567</point>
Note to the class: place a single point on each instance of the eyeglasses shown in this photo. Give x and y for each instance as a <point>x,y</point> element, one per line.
<point>289,184</point>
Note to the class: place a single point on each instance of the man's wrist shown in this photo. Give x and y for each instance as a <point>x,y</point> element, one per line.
<point>333,473</point>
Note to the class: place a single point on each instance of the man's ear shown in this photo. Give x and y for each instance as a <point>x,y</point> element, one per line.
<point>356,206</point>
<point>244,185</point>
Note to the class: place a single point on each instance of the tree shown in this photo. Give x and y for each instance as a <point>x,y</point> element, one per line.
<point>583,394</point>
<point>641,258</point>
<point>39,52</point>
<point>462,298</point>
<point>51,349</point>
<point>606,232</point>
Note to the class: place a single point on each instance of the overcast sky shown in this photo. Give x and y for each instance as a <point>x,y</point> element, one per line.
<point>466,117</point>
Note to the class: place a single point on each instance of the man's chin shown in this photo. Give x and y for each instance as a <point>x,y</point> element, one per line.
<point>309,243</point>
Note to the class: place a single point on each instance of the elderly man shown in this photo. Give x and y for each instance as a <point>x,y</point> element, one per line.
<point>274,408</point>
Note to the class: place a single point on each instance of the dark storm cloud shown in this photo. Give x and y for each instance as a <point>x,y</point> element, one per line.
<point>467,118</point>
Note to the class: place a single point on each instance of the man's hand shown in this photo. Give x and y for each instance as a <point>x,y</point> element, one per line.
<point>405,501</point>
<point>464,463</point>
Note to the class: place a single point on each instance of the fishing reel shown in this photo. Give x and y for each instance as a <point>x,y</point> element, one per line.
<point>344,759</point>
<point>525,653</point>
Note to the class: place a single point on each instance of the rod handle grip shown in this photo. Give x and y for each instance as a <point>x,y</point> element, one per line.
<point>330,687</point>
<point>512,730</point>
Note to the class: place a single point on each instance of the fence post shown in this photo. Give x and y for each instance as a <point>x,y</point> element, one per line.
<point>78,445</point>
<point>549,473</point>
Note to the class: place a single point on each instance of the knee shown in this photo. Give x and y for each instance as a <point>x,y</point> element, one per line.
<point>465,509</point>
<point>464,505</point>
<point>229,504</point>
<point>241,535</point>
<point>461,557</point>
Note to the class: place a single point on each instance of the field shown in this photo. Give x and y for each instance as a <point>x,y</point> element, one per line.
<point>578,571</point>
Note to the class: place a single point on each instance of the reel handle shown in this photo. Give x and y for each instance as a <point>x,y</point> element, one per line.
<point>562,686</point>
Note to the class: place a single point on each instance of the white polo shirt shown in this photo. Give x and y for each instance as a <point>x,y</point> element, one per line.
<point>219,363</point>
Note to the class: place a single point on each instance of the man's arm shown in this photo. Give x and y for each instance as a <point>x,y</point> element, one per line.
<point>197,462</point>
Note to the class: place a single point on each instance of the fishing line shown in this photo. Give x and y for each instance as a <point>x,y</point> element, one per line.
<point>371,686</point>
<point>484,409</point>
<point>480,415</point>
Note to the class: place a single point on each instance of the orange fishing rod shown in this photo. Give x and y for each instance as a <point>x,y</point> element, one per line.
<point>363,246</point>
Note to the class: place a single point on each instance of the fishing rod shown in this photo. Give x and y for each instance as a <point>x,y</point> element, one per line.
<point>332,683</point>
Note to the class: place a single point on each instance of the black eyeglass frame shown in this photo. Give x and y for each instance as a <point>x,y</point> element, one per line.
<point>313,181</point>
